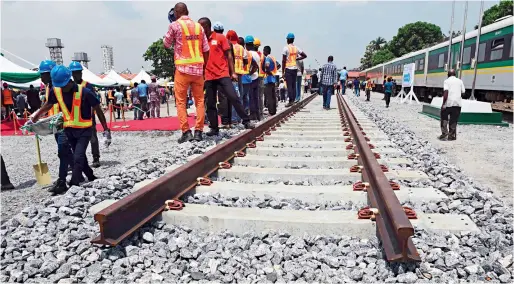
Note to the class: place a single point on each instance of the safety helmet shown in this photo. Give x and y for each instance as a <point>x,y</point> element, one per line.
<point>218,26</point>
<point>249,39</point>
<point>61,75</point>
<point>290,36</point>
<point>46,66</point>
<point>257,42</point>
<point>75,66</point>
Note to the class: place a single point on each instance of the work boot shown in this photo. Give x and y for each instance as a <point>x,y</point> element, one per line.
<point>442,137</point>
<point>213,132</point>
<point>249,125</point>
<point>59,187</point>
<point>198,136</point>
<point>289,104</point>
<point>96,163</point>
<point>186,136</point>
<point>453,132</point>
<point>7,186</point>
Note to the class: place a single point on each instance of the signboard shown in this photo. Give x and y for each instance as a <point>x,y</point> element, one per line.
<point>408,75</point>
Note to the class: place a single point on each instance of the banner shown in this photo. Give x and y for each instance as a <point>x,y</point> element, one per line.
<point>408,75</point>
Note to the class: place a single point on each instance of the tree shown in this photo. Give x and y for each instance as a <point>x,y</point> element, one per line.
<point>382,56</point>
<point>378,43</point>
<point>366,60</point>
<point>504,8</point>
<point>414,36</point>
<point>163,62</point>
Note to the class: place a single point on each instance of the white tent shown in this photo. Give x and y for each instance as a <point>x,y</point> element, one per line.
<point>142,75</point>
<point>95,80</point>
<point>116,77</point>
<point>13,73</point>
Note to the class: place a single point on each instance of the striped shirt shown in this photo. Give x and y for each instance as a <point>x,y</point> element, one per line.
<point>329,74</point>
<point>174,37</point>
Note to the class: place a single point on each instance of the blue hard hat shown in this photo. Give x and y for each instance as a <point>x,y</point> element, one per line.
<point>249,39</point>
<point>61,75</point>
<point>46,66</point>
<point>290,36</point>
<point>218,26</point>
<point>75,66</point>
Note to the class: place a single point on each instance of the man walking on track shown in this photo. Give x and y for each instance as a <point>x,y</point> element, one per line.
<point>270,69</point>
<point>76,72</point>
<point>343,76</point>
<point>75,102</point>
<point>191,55</point>
<point>452,102</point>
<point>219,74</point>
<point>328,81</point>
<point>290,55</point>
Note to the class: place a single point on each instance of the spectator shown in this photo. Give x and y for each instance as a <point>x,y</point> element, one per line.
<point>453,88</point>
<point>21,103</point>
<point>328,81</point>
<point>388,90</point>
<point>7,100</point>
<point>119,101</point>
<point>33,99</point>
<point>136,103</point>
<point>356,87</point>
<point>142,90</point>
<point>155,99</point>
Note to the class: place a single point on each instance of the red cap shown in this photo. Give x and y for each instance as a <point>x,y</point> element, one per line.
<point>232,36</point>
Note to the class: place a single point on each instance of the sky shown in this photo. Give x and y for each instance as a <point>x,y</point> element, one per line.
<point>338,28</point>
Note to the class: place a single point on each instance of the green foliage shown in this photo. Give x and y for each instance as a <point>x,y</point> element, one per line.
<point>414,36</point>
<point>504,8</point>
<point>382,56</point>
<point>366,60</point>
<point>162,59</point>
<point>378,43</point>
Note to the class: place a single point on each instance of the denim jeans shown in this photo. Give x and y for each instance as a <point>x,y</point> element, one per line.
<point>343,86</point>
<point>64,153</point>
<point>245,97</point>
<point>298,88</point>
<point>357,91</point>
<point>328,90</point>
<point>291,84</point>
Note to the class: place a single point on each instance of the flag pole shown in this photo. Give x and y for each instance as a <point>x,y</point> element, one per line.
<point>476,51</point>
<point>463,39</point>
<point>449,62</point>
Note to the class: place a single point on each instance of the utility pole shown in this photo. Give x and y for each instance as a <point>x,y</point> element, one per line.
<point>463,39</point>
<point>476,51</point>
<point>449,62</point>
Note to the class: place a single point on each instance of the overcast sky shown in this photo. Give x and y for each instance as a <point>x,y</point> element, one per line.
<point>341,29</point>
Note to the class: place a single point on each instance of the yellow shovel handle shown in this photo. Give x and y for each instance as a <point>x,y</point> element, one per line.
<point>38,153</point>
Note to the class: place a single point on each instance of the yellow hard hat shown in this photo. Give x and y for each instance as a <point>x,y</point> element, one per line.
<point>257,42</point>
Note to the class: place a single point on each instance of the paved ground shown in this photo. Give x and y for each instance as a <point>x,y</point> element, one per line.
<point>484,152</point>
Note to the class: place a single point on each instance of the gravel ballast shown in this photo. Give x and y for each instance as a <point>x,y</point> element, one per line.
<point>50,242</point>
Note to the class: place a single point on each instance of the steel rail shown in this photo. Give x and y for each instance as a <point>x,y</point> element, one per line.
<point>121,219</point>
<point>393,226</point>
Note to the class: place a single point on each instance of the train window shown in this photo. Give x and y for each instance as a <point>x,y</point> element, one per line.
<point>481,52</point>
<point>467,55</point>
<point>421,64</point>
<point>440,64</point>
<point>511,46</point>
<point>497,49</point>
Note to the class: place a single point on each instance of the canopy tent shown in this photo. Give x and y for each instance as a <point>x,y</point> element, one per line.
<point>95,80</point>
<point>36,83</point>
<point>117,78</point>
<point>142,75</point>
<point>13,73</point>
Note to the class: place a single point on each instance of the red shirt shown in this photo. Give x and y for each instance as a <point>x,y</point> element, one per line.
<point>217,66</point>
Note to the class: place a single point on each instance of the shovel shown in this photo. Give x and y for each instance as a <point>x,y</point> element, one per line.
<point>41,169</point>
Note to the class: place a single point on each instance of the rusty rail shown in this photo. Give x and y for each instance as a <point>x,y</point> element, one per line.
<point>124,217</point>
<point>393,226</point>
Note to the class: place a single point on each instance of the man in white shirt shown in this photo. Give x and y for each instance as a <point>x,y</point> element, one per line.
<point>452,103</point>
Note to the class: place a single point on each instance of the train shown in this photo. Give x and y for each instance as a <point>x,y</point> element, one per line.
<point>494,81</point>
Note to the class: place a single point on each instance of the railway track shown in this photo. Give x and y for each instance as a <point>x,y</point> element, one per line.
<point>348,178</point>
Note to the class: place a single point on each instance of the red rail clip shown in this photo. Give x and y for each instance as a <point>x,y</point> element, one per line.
<point>345,129</point>
<point>384,168</point>
<point>353,156</point>
<point>394,185</point>
<point>225,165</point>
<point>250,145</point>
<point>411,214</point>
<point>240,154</point>
<point>204,181</point>
<point>359,186</point>
<point>273,128</point>
<point>377,155</point>
<point>346,133</point>
<point>173,204</point>
<point>349,146</point>
<point>366,138</point>
<point>363,133</point>
<point>366,213</point>
<point>267,132</point>
<point>371,146</point>
<point>349,139</point>
<point>355,169</point>
<point>259,138</point>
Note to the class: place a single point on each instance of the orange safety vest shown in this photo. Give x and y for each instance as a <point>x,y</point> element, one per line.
<point>274,71</point>
<point>248,66</point>
<point>73,119</point>
<point>238,59</point>
<point>261,70</point>
<point>7,97</point>
<point>109,95</point>
<point>191,53</point>
<point>293,53</point>
<point>369,85</point>
<point>55,108</point>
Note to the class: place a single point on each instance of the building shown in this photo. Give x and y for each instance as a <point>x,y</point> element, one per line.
<point>107,58</point>
<point>82,58</point>
<point>55,47</point>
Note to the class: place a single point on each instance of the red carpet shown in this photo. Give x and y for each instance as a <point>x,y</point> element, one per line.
<point>163,124</point>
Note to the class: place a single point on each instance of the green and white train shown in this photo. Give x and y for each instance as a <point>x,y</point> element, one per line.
<point>494,81</point>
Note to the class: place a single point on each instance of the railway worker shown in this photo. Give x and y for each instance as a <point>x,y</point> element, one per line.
<point>369,87</point>
<point>238,55</point>
<point>388,90</point>
<point>219,74</point>
<point>250,80</point>
<point>343,76</point>
<point>154,98</point>
<point>383,86</point>
<point>225,108</point>
<point>76,103</point>
<point>76,73</point>
<point>290,55</point>
<point>262,74</point>
<point>270,68</point>
<point>7,100</point>
<point>328,81</point>
<point>452,102</point>
<point>190,68</point>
